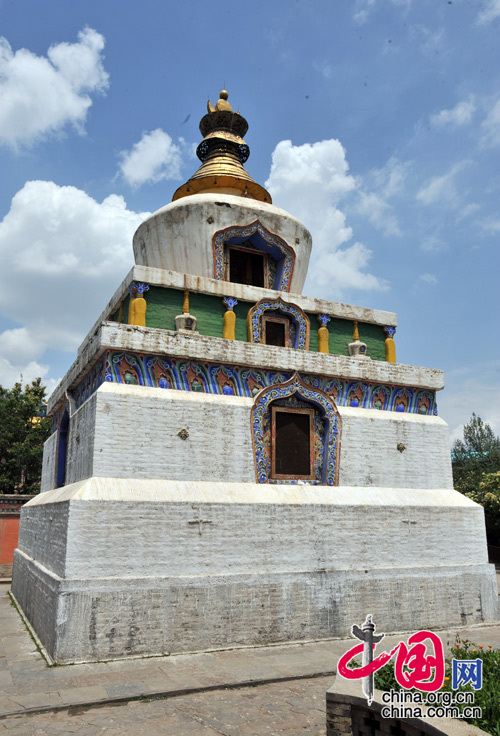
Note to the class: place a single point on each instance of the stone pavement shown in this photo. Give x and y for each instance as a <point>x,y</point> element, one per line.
<point>266,690</point>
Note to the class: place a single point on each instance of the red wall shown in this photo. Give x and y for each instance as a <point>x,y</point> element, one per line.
<point>9,532</point>
<point>10,511</point>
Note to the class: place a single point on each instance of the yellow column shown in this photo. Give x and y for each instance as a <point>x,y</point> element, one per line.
<point>323,334</point>
<point>185,303</point>
<point>390,345</point>
<point>137,307</point>
<point>229,319</point>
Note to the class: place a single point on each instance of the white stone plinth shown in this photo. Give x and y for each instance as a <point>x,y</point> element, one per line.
<point>109,568</point>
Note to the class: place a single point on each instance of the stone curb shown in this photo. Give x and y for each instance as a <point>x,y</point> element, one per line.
<point>164,694</point>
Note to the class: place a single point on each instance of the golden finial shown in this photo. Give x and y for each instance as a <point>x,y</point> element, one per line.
<point>355,333</point>
<point>222,153</point>
<point>221,104</point>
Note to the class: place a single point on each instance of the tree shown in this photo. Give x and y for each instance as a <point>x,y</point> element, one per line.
<point>476,471</point>
<point>488,495</point>
<point>23,430</point>
<point>478,453</point>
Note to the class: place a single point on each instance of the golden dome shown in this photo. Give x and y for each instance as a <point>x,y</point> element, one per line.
<point>223,153</point>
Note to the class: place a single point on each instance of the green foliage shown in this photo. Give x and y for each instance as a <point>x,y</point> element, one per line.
<point>488,495</point>
<point>478,453</point>
<point>488,698</point>
<point>23,430</point>
<point>476,471</point>
<point>385,679</point>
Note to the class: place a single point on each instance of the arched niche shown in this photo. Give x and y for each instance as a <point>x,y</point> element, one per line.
<point>252,255</point>
<point>296,323</point>
<point>274,412</point>
<point>62,449</point>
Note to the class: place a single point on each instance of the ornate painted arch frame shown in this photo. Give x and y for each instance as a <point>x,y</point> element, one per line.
<point>298,316</point>
<point>275,246</point>
<point>295,386</point>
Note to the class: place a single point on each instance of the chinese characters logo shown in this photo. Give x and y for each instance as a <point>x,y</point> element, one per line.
<point>419,663</point>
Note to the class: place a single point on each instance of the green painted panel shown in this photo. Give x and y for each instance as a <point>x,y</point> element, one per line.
<point>165,304</point>
<point>209,311</point>
<point>241,311</point>
<point>314,327</point>
<point>126,306</point>
<point>115,317</point>
<point>374,336</point>
<point>341,331</point>
<point>340,335</point>
<point>163,307</point>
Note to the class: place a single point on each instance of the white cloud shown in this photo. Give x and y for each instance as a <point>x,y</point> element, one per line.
<point>473,388</point>
<point>377,210</point>
<point>429,42</point>
<point>40,96</point>
<point>491,226</point>
<point>363,8</point>
<point>380,185</point>
<point>390,179</point>
<point>433,244</point>
<point>459,115</point>
<point>422,282</point>
<point>153,158</point>
<point>490,127</point>
<point>63,254</point>
<point>442,189</point>
<point>310,180</point>
<point>21,344</point>
<point>428,278</point>
<point>468,210</point>
<point>324,68</point>
<point>489,12</point>
<point>12,373</point>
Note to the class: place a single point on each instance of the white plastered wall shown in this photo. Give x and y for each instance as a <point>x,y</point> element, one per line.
<point>137,435</point>
<point>133,432</point>
<point>392,449</point>
<point>179,236</point>
<point>49,462</point>
<point>270,564</point>
<point>80,453</point>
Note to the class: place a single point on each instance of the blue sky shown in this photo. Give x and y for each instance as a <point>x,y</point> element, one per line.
<point>376,122</point>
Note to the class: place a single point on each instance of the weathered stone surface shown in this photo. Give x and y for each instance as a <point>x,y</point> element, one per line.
<point>110,335</point>
<point>220,438</point>
<point>49,463</point>
<point>178,237</point>
<point>145,567</point>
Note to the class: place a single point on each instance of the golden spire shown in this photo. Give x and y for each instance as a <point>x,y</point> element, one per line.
<point>221,104</point>
<point>223,153</point>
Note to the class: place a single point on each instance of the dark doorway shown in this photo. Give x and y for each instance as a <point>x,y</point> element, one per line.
<point>62,449</point>
<point>246,267</point>
<point>291,443</point>
<point>275,333</point>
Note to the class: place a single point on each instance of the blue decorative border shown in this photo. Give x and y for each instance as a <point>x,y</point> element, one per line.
<point>91,382</point>
<point>216,378</point>
<point>261,428</point>
<point>302,326</point>
<point>285,261</point>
